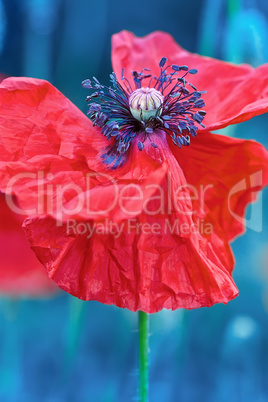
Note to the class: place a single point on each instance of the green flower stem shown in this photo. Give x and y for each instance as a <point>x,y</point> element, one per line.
<point>74,328</point>
<point>143,353</point>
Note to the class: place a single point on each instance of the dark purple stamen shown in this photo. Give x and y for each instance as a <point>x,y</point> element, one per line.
<point>180,112</point>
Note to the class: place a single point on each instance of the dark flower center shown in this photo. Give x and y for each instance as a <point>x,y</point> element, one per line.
<point>168,102</point>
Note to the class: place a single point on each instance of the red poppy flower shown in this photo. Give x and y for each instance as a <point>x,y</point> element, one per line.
<point>21,274</point>
<point>136,210</point>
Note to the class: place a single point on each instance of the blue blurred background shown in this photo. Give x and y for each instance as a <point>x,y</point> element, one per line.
<point>58,349</point>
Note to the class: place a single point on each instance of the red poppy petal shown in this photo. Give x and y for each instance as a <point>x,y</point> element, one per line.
<point>82,194</point>
<point>237,97</point>
<point>45,123</point>
<point>21,274</point>
<point>134,269</point>
<point>42,133</point>
<point>148,175</point>
<point>225,175</point>
<point>234,93</point>
<point>134,53</point>
<point>55,150</point>
<point>113,198</point>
